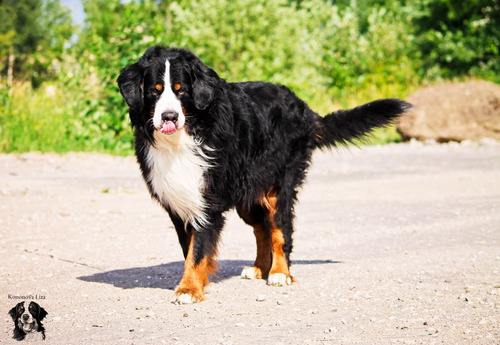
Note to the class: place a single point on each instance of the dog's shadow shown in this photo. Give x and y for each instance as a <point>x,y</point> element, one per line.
<point>167,276</point>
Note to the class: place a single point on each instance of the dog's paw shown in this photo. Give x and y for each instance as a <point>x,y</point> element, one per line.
<point>279,279</point>
<point>251,273</point>
<point>186,296</point>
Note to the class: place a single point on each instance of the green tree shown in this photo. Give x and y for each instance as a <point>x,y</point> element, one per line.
<point>458,37</point>
<point>362,45</point>
<point>250,40</point>
<point>34,33</point>
<point>19,21</point>
<point>114,35</point>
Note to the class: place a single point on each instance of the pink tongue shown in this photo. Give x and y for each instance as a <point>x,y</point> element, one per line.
<point>168,127</point>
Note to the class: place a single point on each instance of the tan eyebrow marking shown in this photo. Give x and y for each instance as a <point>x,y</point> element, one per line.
<point>177,86</point>
<point>159,87</point>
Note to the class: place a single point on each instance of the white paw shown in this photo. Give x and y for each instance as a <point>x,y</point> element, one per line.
<point>279,279</point>
<point>249,273</point>
<point>184,298</point>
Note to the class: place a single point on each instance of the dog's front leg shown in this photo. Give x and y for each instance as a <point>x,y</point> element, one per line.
<point>200,263</point>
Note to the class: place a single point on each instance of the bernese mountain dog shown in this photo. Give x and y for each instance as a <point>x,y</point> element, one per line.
<point>206,146</point>
<point>28,321</point>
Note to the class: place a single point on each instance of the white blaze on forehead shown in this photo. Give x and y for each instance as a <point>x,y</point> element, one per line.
<point>168,102</point>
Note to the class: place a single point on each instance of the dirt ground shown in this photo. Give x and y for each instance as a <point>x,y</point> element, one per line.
<point>393,245</point>
<point>453,111</point>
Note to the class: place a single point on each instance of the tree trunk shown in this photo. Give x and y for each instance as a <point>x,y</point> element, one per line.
<point>10,68</point>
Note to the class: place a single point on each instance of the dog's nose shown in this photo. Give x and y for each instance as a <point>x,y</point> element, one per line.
<point>25,317</point>
<point>169,116</point>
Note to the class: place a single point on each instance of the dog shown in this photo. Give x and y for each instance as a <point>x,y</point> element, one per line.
<point>205,146</point>
<point>28,321</point>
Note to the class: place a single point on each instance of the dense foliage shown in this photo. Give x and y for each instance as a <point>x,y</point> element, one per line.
<point>58,90</point>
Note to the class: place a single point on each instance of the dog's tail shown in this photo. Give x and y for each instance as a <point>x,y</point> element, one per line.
<point>344,126</point>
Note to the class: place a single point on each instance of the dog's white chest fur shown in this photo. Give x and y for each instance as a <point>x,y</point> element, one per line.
<point>176,176</point>
<point>33,336</point>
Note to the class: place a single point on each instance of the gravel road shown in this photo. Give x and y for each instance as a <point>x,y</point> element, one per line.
<point>396,244</point>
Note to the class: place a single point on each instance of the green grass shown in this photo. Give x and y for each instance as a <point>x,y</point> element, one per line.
<point>50,120</point>
<point>32,121</point>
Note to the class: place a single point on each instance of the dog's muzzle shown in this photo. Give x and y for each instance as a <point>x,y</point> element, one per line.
<point>169,120</point>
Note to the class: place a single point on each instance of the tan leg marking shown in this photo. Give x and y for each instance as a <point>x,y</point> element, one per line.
<point>195,277</point>
<point>279,273</point>
<point>270,262</point>
<point>260,268</point>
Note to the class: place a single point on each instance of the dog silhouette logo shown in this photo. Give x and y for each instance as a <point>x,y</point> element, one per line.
<point>28,321</point>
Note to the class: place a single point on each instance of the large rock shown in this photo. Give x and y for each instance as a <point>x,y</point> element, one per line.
<point>453,112</point>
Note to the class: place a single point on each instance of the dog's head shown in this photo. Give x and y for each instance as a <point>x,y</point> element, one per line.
<point>166,87</point>
<point>27,319</point>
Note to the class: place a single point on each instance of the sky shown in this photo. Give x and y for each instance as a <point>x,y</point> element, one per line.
<point>76,10</point>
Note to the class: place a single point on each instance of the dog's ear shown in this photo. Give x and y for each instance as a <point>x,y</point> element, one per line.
<point>13,311</point>
<point>42,314</point>
<point>205,84</point>
<point>38,310</point>
<point>131,87</point>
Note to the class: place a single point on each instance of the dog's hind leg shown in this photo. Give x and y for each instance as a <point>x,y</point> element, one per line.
<point>273,247</point>
<point>256,217</point>
<point>281,239</point>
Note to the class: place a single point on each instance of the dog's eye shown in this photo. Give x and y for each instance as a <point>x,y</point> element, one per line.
<point>178,88</point>
<point>157,89</point>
